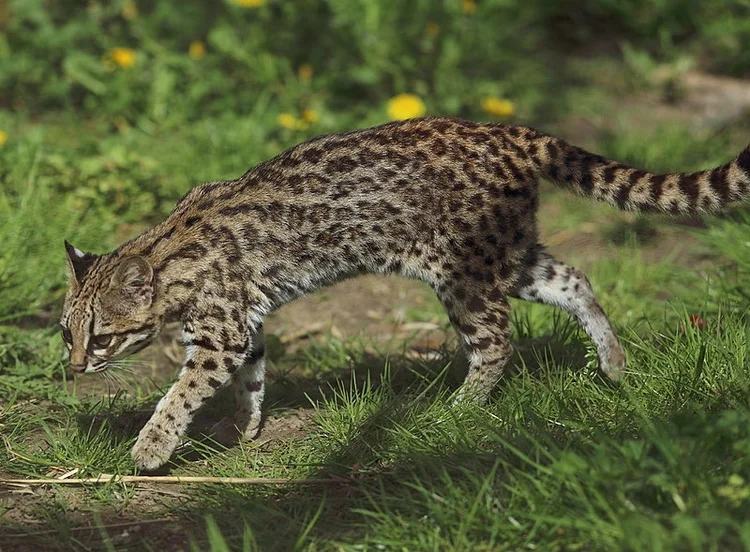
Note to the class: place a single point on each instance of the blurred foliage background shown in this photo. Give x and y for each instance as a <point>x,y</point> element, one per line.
<point>111,110</point>
<point>161,61</point>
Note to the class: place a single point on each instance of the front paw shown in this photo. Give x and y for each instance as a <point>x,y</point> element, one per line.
<point>153,448</point>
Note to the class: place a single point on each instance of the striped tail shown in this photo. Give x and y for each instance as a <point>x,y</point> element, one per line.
<point>636,190</point>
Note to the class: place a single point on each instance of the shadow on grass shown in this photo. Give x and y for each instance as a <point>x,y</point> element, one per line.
<point>277,517</point>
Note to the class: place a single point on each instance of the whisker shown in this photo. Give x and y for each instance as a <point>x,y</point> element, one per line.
<point>106,377</point>
<point>138,364</point>
<point>127,370</point>
<point>125,361</point>
<point>122,382</point>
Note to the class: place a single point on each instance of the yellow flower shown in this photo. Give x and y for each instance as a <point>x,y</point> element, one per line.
<point>405,106</point>
<point>287,120</point>
<point>310,116</point>
<point>123,57</point>
<point>197,49</point>
<point>129,10</point>
<point>3,137</point>
<point>305,72</point>
<point>432,29</point>
<point>250,3</point>
<point>468,6</point>
<point>498,107</point>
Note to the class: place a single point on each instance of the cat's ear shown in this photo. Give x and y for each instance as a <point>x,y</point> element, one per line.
<point>134,280</point>
<point>79,262</point>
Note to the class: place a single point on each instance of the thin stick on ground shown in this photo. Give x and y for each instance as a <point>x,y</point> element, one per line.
<point>107,478</point>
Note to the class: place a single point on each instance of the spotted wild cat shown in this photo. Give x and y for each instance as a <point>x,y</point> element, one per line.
<point>450,202</point>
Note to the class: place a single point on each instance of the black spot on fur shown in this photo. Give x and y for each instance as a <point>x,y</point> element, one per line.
<point>256,354</point>
<point>657,187</point>
<point>610,174</point>
<point>230,365</point>
<point>476,304</point>
<point>719,184</point>
<point>689,186</point>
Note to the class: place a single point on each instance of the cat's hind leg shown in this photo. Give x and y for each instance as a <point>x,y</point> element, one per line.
<point>552,282</point>
<point>481,319</point>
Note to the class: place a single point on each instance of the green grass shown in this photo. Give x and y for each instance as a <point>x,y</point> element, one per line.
<point>557,460</point>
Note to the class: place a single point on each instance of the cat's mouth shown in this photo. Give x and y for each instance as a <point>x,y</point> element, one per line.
<point>103,365</point>
<point>95,368</point>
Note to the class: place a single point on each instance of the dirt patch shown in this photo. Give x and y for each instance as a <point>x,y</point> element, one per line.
<point>691,99</point>
<point>285,426</point>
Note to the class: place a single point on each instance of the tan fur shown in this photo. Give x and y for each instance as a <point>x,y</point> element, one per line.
<point>450,202</point>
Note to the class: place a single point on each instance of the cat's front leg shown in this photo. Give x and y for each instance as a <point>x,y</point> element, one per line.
<point>209,366</point>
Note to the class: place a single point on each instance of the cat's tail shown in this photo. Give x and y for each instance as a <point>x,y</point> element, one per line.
<point>633,189</point>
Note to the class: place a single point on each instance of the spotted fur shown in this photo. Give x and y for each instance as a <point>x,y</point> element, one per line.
<point>450,202</point>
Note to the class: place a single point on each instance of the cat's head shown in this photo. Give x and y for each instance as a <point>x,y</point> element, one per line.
<point>108,311</point>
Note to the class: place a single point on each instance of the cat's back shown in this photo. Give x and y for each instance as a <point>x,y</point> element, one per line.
<point>408,168</point>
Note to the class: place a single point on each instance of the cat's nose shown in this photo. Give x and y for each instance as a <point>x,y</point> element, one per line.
<point>78,368</point>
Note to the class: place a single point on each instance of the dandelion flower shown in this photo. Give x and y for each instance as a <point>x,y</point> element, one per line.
<point>498,107</point>
<point>310,116</point>
<point>468,6</point>
<point>129,10</point>
<point>3,137</point>
<point>287,120</point>
<point>432,29</point>
<point>405,106</point>
<point>197,49</point>
<point>305,72</point>
<point>250,3</point>
<point>123,57</point>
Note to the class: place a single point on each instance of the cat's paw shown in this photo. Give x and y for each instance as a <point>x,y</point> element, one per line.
<point>614,362</point>
<point>252,428</point>
<point>153,448</point>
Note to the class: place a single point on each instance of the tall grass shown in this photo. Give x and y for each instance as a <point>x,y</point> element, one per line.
<point>35,221</point>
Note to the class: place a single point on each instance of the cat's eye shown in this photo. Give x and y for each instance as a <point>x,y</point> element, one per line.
<point>100,341</point>
<point>67,336</point>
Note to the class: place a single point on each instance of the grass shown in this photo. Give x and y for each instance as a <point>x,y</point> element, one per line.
<point>558,459</point>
